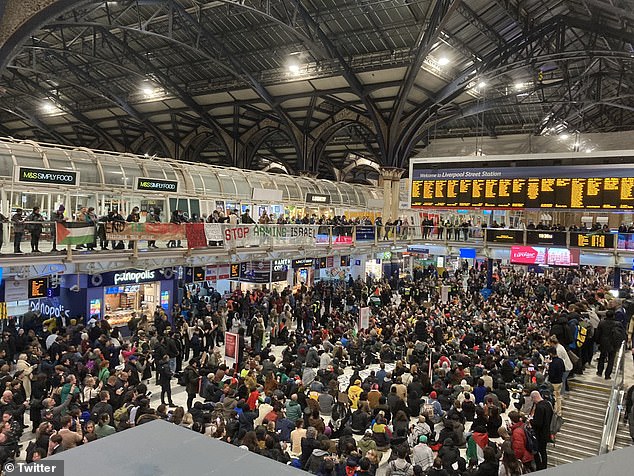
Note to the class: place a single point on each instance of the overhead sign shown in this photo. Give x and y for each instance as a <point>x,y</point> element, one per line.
<point>280,270</point>
<point>146,184</point>
<point>565,187</point>
<point>199,274</point>
<point>47,176</point>
<point>317,198</point>
<point>234,271</point>
<point>303,263</point>
<point>549,256</point>
<point>498,235</point>
<point>255,272</point>
<point>38,288</point>
<point>16,290</point>
<point>545,237</point>
<point>592,240</point>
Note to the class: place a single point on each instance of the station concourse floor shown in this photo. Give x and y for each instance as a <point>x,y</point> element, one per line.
<point>179,396</point>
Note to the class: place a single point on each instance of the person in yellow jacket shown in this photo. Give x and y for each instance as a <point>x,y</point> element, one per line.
<point>50,324</point>
<point>354,392</point>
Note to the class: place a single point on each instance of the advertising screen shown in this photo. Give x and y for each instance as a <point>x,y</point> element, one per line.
<point>528,255</point>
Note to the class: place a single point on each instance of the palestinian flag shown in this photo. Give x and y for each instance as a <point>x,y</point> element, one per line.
<point>74,233</point>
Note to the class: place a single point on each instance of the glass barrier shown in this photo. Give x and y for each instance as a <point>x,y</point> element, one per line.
<point>615,405</point>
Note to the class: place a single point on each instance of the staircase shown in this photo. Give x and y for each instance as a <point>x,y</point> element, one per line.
<point>584,412</point>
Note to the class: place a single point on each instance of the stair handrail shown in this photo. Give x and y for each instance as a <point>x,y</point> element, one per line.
<point>613,412</point>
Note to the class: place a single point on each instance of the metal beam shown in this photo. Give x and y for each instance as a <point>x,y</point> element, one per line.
<point>83,75</point>
<point>348,74</point>
<point>441,13</point>
<point>173,87</point>
<point>67,107</point>
<point>37,122</point>
<point>208,38</point>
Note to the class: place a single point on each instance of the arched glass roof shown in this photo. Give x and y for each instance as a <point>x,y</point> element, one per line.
<point>108,171</point>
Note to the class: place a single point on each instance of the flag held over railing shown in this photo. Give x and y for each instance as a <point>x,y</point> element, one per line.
<point>74,233</point>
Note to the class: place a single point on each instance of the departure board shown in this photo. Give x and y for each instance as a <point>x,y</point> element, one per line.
<point>582,187</point>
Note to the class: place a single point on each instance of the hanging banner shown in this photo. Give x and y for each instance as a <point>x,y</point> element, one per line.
<point>124,231</point>
<point>3,311</point>
<point>195,233</point>
<point>213,232</point>
<point>269,235</point>
<point>232,350</point>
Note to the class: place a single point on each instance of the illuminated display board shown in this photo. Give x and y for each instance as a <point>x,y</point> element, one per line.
<point>560,187</point>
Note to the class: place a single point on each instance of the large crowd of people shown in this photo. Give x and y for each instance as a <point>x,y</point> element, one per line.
<point>470,383</point>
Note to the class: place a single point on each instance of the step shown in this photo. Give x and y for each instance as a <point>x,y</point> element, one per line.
<point>590,390</point>
<point>575,433</point>
<point>590,401</point>
<point>579,445</point>
<point>576,450</point>
<point>586,407</point>
<point>590,386</point>
<point>572,453</point>
<point>556,459</point>
<point>587,439</point>
<point>581,425</point>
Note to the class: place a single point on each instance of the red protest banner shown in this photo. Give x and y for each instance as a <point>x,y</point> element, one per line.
<point>195,233</point>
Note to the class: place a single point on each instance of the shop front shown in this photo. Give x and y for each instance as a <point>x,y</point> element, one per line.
<point>304,271</point>
<point>250,275</point>
<point>116,296</point>
<point>280,273</point>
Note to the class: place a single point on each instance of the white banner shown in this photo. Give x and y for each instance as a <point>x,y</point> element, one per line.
<point>213,232</point>
<point>364,318</point>
<point>268,235</point>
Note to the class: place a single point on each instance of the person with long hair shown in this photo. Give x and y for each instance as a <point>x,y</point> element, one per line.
<point>509,464</point>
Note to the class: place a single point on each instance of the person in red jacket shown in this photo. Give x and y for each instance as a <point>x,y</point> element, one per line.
<point>518,442</point>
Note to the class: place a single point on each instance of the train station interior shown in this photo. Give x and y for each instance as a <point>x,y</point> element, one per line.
<point>330,237</point>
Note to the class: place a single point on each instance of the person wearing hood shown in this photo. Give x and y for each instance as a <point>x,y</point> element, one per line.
<point>308,444</point>
<point>367,443</point>
<point>448,453</point>
<point>477,441</point>
<point>354,393</point>
<point>316,460</point>
<point>518,441</point>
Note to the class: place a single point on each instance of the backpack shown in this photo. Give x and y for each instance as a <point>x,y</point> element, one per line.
<point>119,413</point>
<point>428,410</point>
<point>618,335</point>
<point>404,471</point>
<point>532,446</point>
<point>567,337</point>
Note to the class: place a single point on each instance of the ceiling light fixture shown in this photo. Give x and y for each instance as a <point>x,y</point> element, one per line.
<point>564,136</point>
<point>443,61</point>
<point>294,68</point>
<point>48,107</point>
